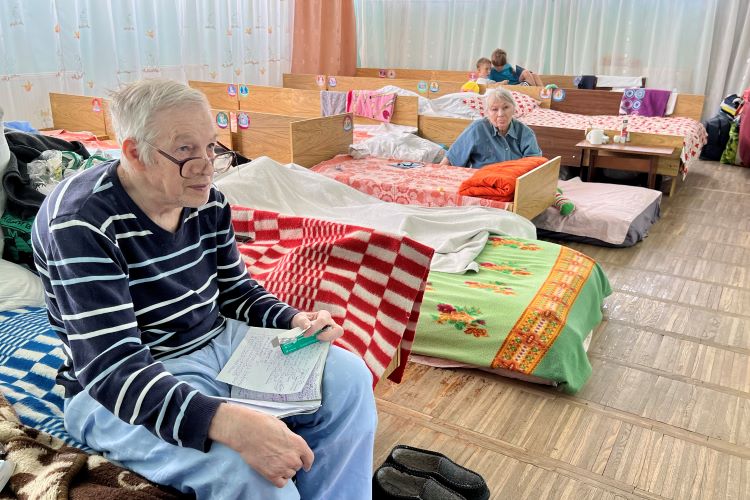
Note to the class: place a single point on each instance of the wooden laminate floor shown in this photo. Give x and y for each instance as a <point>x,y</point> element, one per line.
<point>666,413</point>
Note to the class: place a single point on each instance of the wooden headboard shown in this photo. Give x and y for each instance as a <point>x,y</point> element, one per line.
<point>417,74</point>
<point>303,81</point>
<point>346,83</point>
<point>605,102</point>
<point>589,102</point>
<point>217,94</point>
<point>78,113</point>
<point>306,104</point>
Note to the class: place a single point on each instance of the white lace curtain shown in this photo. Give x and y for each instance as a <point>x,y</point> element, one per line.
<point>694,46</point>
<point>92,46</point>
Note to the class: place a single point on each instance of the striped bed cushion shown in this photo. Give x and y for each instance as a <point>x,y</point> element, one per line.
<point>30,354</point>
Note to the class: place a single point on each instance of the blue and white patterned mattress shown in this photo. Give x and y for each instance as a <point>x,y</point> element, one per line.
<point>30,354</point>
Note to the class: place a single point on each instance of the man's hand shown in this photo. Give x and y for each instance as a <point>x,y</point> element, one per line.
<point>317,321</point>
<point>263,441</point>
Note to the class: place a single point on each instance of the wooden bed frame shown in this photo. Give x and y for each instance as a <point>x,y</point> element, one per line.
<point>535,190</point>
<point>76,113</point>
<point>306,103</point>
<point>563,81</point>
<point>346,83</point>
<point>305,141</point>
<point>561,142</point>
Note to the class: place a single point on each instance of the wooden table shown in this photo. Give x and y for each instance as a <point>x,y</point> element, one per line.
<point>625,157</point>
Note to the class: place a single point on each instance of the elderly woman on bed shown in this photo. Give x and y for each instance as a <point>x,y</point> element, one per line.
<point>495,138</point>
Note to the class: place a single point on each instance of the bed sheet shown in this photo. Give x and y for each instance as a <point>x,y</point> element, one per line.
<point>529,310</point>
<point>88,139</point>
<point>694,132</point>
<point>429,185</point>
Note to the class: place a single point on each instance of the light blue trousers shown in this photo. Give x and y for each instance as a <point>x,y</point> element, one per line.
<point>340,433</point>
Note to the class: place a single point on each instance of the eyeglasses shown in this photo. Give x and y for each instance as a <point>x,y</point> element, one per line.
<point>221,161</point>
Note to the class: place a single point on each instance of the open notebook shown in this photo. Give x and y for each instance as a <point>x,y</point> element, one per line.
<point>265,379</point>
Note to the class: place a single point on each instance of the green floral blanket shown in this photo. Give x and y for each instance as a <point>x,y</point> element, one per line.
<point>528,309</point>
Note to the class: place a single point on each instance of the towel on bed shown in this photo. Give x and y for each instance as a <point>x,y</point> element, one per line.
<point>372,282</point>
<point>497,181</point>
<point>371,104</point>
<point>332,102</point>
<point>644,102</point>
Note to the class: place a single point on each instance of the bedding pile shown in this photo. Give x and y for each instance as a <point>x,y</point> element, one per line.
<point>458,234</point>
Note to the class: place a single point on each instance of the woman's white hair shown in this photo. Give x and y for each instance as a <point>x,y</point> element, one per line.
<point>135,106</point>
<point>499,94</point>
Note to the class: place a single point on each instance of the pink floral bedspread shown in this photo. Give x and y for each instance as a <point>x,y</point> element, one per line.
<point>429,185</point>
<point>694,132</point>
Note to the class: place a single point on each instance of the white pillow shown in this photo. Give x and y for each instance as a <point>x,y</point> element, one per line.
<point>19,287</point>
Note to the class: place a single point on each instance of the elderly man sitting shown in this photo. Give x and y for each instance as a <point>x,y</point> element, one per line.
<point>495,138</point>
<point>147,290</point>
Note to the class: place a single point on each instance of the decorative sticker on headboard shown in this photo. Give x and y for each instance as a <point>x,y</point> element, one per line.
<point>348,123</point>
<point>382,73</point>
<point>391,73</point>
<point>320,80</point>
<point>244,91</point>
<point>332,81</point>
<point>472,76</point>
<point>422,86</point>
<point>545,93</point>
<point>96,105</point>
<point>222,120</point>
<point>434,87</point>
<point>558,95</point>
<point>243,120</point>
<point>231,90</point>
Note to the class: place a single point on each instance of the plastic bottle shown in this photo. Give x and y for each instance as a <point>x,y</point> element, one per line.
<point>624,134</point>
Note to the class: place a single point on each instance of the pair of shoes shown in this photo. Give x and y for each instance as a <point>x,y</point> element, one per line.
<point>389,482</point>
<point>431,467</point>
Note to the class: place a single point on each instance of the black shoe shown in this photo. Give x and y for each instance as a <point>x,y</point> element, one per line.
<point>428,463</point>
<point>389,482</point>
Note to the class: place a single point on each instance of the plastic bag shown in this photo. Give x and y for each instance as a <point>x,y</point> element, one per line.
<point>53,166</point>
<point>399,145</point>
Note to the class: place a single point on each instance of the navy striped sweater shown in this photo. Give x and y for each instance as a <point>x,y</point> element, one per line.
<point>123,293</point>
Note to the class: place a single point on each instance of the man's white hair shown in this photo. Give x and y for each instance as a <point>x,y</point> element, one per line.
<point>499,94</point>
<point>135,106</point>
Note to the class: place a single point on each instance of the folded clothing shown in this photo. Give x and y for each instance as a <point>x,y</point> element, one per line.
<point>497,181</point>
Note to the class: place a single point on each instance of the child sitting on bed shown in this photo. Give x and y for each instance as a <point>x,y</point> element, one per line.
<point>510,74</point>
<point>484,66</point>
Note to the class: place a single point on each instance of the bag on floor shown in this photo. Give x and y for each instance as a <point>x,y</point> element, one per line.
<point>717,129</point>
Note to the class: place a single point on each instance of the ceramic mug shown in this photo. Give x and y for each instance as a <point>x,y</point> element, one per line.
<point>595,136</point>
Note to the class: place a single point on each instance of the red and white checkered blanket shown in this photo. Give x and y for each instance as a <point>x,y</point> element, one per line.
<point>372,282</point>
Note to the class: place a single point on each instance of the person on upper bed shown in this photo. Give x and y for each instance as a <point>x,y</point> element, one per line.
<point>484,66</point>
<point>511,75</point>
<point>496,137</point>
<point>147,290</point>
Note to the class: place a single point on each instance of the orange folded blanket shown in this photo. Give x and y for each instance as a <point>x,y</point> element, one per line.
<point>497,181</point>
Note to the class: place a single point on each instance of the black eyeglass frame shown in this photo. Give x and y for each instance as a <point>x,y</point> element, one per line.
<point>181,163</point>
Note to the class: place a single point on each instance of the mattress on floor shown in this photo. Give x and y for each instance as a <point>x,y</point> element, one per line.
<point>610,215</point>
